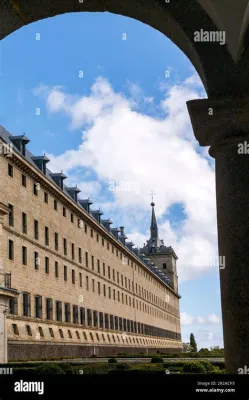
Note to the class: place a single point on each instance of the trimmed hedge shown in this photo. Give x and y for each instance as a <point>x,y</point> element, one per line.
<point>50,369</point>
<point>194,367</point>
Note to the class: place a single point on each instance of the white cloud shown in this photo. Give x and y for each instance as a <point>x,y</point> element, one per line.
<point>187,319</point>
<point>119,143</point>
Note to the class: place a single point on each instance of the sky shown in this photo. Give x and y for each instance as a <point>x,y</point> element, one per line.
<point>104,97</point>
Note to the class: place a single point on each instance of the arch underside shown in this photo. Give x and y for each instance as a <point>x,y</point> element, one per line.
<point>178,20</point>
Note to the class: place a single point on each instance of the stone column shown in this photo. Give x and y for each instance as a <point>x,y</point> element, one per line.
<point>223,124</point>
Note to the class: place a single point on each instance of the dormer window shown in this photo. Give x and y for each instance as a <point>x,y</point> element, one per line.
<point>41,162</point>
<point>20,143</point>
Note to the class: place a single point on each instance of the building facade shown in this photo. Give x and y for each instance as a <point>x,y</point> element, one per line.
<point>72,285</point>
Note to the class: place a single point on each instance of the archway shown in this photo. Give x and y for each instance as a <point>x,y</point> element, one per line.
<point>221,121</point>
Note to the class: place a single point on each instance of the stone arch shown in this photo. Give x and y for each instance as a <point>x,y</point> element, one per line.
<point>175,19</point>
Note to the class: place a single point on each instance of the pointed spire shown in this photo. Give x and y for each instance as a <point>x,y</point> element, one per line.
<point>153,226</point>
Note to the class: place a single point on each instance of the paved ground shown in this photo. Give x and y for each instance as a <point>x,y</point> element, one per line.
<point>129,360</point>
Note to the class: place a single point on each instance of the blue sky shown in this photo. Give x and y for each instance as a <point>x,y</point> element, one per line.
<point>107,110</point>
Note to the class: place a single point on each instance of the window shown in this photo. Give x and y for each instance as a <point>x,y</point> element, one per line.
<point>98,287</point>
<point>164,266</point>
<point>77,334</point>
<point>75,315</point>
<point>113,275</point>
<point>38,306</point>
<point>80,255</point>
<point>49,308</point>
<point>109,272</point>
<point>55,205</point>
<point>69,334</point>
<point>72,218</point>
<point>11,215</point>
<point>80,278</point>
<point>106,321</point>
<point>85,228</point>
<point>97,237</point>
<point>45,197</point>
<point>98,266</point>
<point>51,332</point>
<point>28,329</point>
<point>103,242</point>
<point>46,236</point>
<point>108,246</point>
<point>101,320</point>
<point>24,223</point>
<point>87,283</point>
<point>109,290</point>
<point>89,317</point>
<point>93,263</point>
<point>95,319</point>
<point>64,212</point>
<point>93,287</point>
<point>104,290</point>
<point>91,233</point>
<point>24,255</point>
<point>73,276</point>
<point>73,254</point>
<point>58,308</point>
<point>118,296</point>
<point>65,246</point>
<point>67,313</point>
<point>13,305</point>
<point>61,333</point>
<point>113,249</point>
<point>118,277</point>
<point>122,280</point>
<point>116,323</point>
<point>82,316</point>
<point>36,229</point>
<point>36,260</point>
<point>35,189</point>
<point>85,336</point>
<point>111,322</point>
<point>114,297</point>
<point>103,269</point>
<point>26,304</point>
<point>86,257</point>
<point>15,329</point>
<point>46,265</point>
<point>65,273</point>
<point>10,170</point>
<point>56,241</point>
<point>56,269</point>
<point>11,250</point>
<point>24,180</point>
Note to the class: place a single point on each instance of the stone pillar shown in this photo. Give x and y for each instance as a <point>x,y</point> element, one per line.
<point>223,124</point>
<point>5,292</point>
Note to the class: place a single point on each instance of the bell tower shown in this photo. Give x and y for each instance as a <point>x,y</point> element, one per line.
<point>164,257</point>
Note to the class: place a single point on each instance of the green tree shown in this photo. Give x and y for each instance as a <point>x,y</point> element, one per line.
<point>193,342</point>
<point>187,348</point>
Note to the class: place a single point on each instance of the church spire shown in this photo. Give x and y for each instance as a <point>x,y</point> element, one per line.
<point>153,226</point>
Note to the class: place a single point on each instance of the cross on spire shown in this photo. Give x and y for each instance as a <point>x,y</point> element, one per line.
<point>152,194</point>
